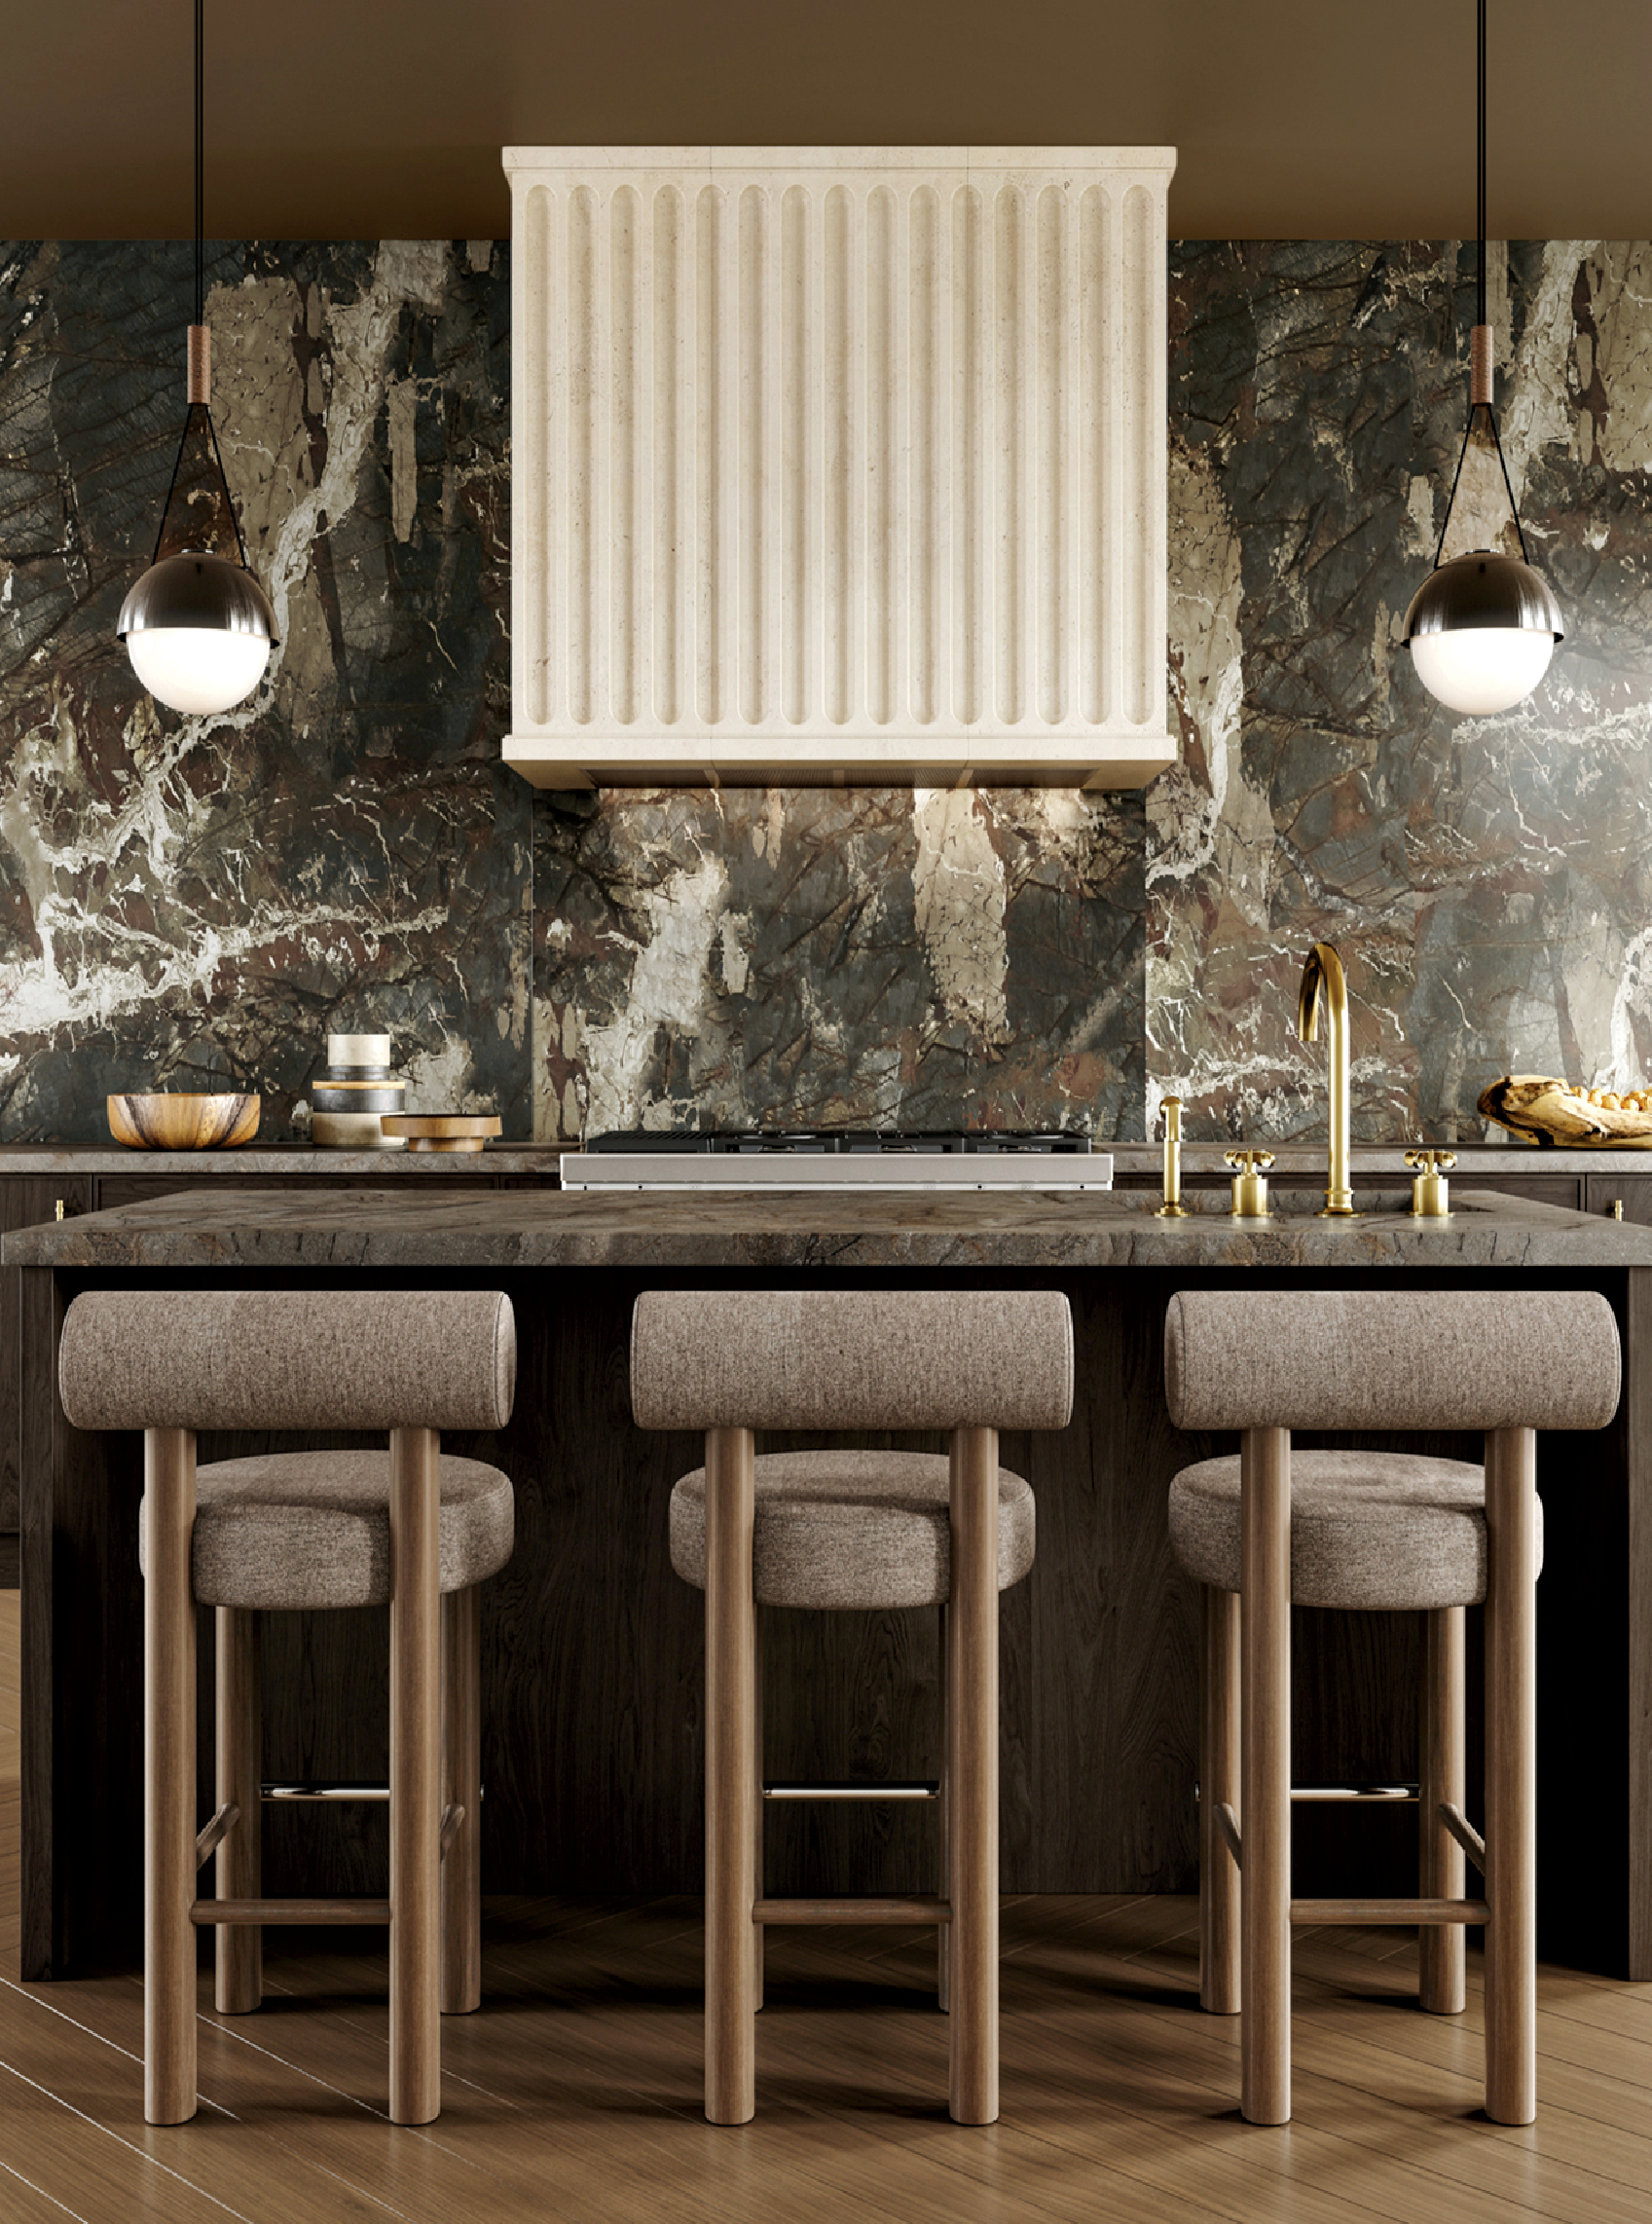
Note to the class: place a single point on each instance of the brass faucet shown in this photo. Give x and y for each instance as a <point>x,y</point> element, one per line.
<point>1324,971</point>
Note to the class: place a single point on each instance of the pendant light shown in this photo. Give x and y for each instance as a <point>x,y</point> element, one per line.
<point>198,626</point>
<point>1481,628</point>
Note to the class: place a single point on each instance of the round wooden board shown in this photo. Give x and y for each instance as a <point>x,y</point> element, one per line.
<point>442,1130</point>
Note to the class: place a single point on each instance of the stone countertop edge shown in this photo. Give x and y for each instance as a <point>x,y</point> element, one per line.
<point>366,1230</point>
<point>309,1159</point>
<point>1294,1161</point>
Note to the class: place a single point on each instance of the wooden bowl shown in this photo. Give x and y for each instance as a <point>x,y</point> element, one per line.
<point>442,1130</point>
<point>182,1122</point>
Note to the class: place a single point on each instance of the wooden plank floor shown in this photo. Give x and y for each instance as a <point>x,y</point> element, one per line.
<point>574,2093</point>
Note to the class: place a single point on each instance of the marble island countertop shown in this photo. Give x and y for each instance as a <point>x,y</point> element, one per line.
<point>1293,1162</point>
<point>403,1228</point>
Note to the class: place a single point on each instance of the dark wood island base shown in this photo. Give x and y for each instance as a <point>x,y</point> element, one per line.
<point>592,1648</point>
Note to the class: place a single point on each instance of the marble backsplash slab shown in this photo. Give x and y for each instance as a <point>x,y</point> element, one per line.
<point>180,904</point>
<point>190,904</point>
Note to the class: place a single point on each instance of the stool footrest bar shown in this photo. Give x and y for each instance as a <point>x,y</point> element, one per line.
<point>1465,1833</point>
<point>1356,1913</point>
<point>207,1911</point>
<point>215,1833</point>
<point>826,1790</point>
<point>322,1789</point>
<point>1354,1795</point>
<point>914,1910</point>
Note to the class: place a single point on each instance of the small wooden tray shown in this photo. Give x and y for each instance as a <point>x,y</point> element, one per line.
<point>442,1130</point>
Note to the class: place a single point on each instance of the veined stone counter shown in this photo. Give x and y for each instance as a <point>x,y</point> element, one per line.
<point>400,1227</point>
<point>286,1159</point>
<point>1293,1162</point>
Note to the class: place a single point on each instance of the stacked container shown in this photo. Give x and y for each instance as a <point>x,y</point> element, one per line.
<point>356,1087</point>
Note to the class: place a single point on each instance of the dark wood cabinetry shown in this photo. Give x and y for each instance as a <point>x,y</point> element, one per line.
<point>25,1200</point>
<point>592,1648</point>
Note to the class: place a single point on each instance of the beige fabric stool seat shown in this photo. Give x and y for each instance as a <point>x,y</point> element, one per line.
<point>852,1529</point>
<point>844,1529</point>
<point>398,1526</point>
<point>1376,1531</point>
<point>1277,1528</point>
<point>291,1530</point>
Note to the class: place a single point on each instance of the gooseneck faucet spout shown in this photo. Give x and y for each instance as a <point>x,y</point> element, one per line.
<point>1323,978</point>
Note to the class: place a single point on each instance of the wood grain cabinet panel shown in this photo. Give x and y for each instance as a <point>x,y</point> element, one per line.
<point>24,1200</point>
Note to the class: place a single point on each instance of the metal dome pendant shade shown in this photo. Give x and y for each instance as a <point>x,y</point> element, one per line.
<point>1482,627</point>
<point>198,626</point>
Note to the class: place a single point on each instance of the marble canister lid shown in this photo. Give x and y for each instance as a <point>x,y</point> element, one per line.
<point>359,1049</point>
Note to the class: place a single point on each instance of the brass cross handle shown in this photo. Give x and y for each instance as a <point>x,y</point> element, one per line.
<point>1431,1161</point>
<point>1252,1161</point>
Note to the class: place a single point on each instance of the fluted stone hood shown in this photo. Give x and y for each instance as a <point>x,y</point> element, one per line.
<point>838,465</point>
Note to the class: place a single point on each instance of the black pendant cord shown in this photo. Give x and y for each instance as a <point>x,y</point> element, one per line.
<point>1508,484</point>
<point>200,316</point>
<point>201,249</point>
<point>1480,320</point>
<point>1480,296</point>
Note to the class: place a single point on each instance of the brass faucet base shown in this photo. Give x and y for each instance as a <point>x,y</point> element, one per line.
<point>1172,1213</point>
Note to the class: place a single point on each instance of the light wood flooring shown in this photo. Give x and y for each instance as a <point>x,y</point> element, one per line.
<point>574,2093</point>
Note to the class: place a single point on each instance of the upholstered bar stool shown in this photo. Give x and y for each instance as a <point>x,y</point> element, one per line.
<point>405,1527</point>
<point>1362,1531</point>
<point>851,1530</point>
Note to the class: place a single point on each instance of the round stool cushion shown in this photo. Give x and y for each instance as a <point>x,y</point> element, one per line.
<point>1385,1530</point>
<point>312,1529</point>
<point>852,1529</point>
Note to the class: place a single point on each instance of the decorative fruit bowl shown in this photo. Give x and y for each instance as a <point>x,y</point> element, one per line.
<point>1558,1114</point>
<point>177,1121</point>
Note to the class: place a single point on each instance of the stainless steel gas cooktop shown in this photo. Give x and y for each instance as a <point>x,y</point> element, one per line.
<point>838,1157</point>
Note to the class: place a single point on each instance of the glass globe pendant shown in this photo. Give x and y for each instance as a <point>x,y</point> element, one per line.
<point>198,626</point>
<point>1482,627</point>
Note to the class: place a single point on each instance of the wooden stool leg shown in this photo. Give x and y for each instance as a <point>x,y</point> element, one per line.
<point>1511,1776</point>
<point>1265,1881</point>
<point>757,1803</point>
<point>461,1786</point>
<point>416,1778</point>
<point>1219,1786</point>
<point>973,1787</point>
<point>238,1743</point>
<point>1442,1965</point>
<point>730,1773</point>
<point>943,1931</point>
<point>168,1778</point>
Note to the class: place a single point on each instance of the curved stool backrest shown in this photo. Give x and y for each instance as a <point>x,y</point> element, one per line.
<point>821,1359</point>
<point>1400,1360</point>
<point>411,1363</point>
<point>279,1359</point>
<point>1508,1362</point>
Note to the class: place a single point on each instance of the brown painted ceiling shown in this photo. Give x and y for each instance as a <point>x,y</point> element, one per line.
<point>361,119</point>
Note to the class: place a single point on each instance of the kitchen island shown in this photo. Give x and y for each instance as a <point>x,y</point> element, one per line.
<point>592,1719</point>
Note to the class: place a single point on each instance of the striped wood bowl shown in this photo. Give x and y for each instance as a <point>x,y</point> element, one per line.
<point>180,1121</point>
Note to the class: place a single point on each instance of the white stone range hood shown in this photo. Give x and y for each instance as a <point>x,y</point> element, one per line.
<point>838,465</point>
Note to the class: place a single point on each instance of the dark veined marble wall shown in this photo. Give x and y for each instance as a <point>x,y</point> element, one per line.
<point>186,900</point>
<point>1487,882</point>
<point>188,904</point>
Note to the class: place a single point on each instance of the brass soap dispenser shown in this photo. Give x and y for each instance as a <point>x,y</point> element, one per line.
<point>1172,1208</point>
